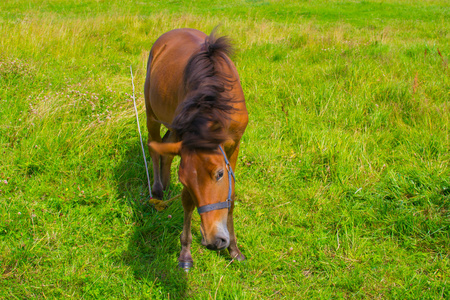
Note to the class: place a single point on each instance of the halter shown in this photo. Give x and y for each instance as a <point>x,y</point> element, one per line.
<point>227,203</point>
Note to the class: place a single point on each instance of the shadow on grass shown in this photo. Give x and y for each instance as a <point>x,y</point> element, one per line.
<point>153,248</point>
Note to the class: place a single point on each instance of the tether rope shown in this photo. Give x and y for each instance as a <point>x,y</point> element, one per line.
<point>140,136</point>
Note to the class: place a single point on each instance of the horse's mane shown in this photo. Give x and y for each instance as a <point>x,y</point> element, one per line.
<point>200,119</point>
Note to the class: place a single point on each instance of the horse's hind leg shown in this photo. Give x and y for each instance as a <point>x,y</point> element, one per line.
<point>166,161</point>
<point>153,135</point>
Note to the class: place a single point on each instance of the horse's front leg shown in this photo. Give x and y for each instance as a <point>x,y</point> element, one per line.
<point>233,249</point>
<point>185,260</point>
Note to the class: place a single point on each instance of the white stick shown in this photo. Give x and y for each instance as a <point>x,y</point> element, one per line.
<point>140,136</point>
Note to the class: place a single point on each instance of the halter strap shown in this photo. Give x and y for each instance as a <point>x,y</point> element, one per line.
<point>227,203</point>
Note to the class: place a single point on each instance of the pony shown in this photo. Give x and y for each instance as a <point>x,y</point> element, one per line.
<point>193,88</point>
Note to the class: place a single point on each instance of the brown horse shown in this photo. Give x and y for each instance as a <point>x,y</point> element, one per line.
<point>193,88</point>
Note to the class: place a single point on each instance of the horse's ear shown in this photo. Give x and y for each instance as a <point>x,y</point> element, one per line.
<point>166,148</point>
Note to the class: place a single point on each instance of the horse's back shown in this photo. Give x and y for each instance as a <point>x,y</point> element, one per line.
<point>169,55</point>
<point>164,86</point>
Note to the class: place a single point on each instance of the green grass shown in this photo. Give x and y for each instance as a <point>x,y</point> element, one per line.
<point>343,181</point>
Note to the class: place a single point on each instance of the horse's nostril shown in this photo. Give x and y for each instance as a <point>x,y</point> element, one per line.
<point>221,243</point>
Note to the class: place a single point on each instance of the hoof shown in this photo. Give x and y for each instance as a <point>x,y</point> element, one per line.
<point>157,194</point>
<point>185,265</point>
<point>238,256</point>
<point>157,191</point>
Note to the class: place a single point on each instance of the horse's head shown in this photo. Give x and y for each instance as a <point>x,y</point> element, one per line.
<point>204,175</point>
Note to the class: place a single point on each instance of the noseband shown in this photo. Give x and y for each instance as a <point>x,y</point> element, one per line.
<point>227,203</point>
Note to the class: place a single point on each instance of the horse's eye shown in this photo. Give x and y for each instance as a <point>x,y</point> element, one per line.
<point>219,175</point>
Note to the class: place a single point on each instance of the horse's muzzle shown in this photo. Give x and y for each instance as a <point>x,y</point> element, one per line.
<point>217,239</point>
<point>220,243</point>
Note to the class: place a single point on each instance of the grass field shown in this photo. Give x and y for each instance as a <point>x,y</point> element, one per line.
<point>343,181</point>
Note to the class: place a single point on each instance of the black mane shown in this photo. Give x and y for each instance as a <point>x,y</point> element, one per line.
<point>201,117</point>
